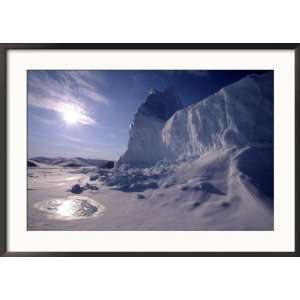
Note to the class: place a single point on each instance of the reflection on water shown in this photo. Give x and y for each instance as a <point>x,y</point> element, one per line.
<point>75,207</point>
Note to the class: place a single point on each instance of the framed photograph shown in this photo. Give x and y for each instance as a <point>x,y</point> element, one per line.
<point>149,149</point>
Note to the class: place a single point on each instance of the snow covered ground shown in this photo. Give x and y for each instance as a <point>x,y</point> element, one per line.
<point>211,193</point>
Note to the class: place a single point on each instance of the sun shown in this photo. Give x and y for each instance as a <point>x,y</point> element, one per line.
<point>73,114</point>
<point>70,115</point>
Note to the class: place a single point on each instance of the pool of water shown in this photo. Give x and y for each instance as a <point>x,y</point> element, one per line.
<point>71,208</point>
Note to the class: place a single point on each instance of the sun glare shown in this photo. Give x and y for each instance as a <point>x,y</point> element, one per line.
<point>70,115</point>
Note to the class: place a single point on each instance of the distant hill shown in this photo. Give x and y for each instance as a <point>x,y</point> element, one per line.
<point>31,164</point>
<point>75,162</point>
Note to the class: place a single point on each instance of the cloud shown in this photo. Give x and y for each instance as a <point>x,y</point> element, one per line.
<point>72,139</point>
<point>97,144</point>
<point>87,83</point>
<point>40,119</point>
<point>55,90</point>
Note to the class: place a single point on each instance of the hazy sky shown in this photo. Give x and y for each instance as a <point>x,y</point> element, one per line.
<point>87,113</point>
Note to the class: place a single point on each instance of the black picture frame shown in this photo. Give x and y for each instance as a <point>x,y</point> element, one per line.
<point>4,48</point>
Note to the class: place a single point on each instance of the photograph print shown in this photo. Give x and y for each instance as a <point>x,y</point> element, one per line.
<point>150,150</point>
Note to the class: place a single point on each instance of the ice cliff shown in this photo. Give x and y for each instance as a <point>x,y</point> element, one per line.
<point>145,142</point>
<point>238,115</point>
